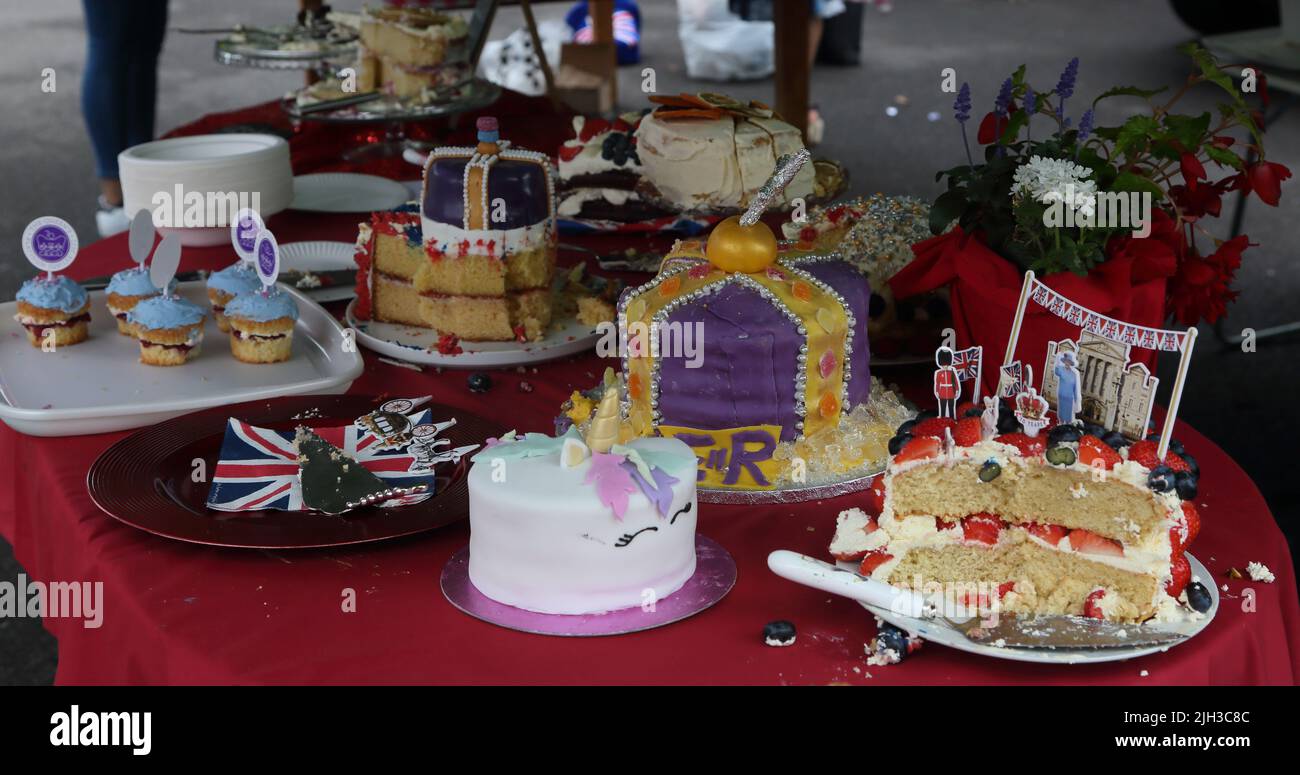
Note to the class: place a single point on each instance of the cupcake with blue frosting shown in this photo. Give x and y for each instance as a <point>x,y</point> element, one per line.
<point>225,285</point>
<point>261,325</point>
<point>54,309</point>
<point>128,288</point>
<point>169,328</point>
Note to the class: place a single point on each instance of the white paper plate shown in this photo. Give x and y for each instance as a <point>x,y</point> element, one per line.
<point>100,385</point>
<point>320,256</point>
<point>346,192</point>
<point>943,635</point>
<point>419,345</point>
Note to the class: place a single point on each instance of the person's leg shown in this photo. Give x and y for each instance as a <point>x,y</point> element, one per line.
<point>103,89</point>
<point>144,44</point>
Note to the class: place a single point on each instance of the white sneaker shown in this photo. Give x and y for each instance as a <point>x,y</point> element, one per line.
<point>111,220</point>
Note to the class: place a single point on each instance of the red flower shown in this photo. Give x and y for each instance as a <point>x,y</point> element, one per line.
<point>1265,179</point>
<point>1192,169</point>
<point>1200,290</point>
<point>1194,201</point>
<point>991,128</point>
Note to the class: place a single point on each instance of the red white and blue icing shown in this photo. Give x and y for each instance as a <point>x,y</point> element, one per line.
<point>58,293</point>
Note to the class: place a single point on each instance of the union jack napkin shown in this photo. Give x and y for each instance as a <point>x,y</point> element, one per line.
<point>259,467</point>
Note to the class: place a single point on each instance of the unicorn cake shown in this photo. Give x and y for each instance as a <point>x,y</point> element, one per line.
<point>582,525</point>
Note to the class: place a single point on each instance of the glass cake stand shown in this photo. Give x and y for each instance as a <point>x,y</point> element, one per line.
<point>393,112</point>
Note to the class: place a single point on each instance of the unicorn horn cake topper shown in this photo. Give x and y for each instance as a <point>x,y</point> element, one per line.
<point>603,433</point>
<point>744,243</point>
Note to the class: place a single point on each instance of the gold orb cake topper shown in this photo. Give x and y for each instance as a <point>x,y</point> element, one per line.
<point>744,243</point>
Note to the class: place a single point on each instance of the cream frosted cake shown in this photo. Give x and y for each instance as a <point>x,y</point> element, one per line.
<point>712,153</point>
<point>558,526</point>
<point>1069,524</point>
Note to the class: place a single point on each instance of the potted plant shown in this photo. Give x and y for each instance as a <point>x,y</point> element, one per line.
<point>1046,193</point>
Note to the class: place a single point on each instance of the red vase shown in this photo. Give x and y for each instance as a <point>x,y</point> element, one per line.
<point>985,288</point>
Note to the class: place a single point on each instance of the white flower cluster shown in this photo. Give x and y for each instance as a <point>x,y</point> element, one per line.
<point>1056,180</point>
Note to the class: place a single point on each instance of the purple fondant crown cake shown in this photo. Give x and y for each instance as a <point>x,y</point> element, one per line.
<point>735,362</point>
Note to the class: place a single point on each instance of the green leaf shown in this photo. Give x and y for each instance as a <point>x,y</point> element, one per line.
<point>1130,91</point>
<point>1129,181</point>
<point>1134,133</point>
<point>1210,69</point>
<point>1187,130</point>
<point>947,208</point>
<point>1018,77</point>
<point>1224,157</point>
<point>1014,125</point>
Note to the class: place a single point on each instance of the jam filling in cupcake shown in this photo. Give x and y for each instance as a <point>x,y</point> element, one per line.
<point>54,309</point>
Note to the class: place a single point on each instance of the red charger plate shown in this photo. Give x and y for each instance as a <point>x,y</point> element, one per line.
<point>145,480</point>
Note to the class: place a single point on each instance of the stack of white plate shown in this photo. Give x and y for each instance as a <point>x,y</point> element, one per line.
<point>203,180</point>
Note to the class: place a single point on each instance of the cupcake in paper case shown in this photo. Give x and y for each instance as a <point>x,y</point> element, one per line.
<point>55,305</point>
<point>128,288</point>
<point>169,328</point>
<point>261,325</point>
<point>225,285</point>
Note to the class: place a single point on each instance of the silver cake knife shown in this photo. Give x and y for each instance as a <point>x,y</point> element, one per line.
<point>1005,630</point>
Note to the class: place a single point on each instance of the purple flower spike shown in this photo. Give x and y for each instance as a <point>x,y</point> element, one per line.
<point>1085,125</point>
<point>1065,86</point>
<point>1003,99</point>
<point>962,103</point>
<point>1030,99</point>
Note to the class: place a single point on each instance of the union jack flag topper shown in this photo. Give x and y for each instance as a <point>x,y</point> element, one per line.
<point>1012,380</point>
<point>969,364</point>
<point>259,468</point>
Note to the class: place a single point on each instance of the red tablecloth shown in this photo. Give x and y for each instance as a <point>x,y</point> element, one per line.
<point>177,613</point>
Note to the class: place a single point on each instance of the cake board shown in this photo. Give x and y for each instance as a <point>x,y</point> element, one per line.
<point>715,575</point>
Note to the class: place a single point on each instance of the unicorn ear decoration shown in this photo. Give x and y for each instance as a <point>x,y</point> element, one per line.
<point>573,451</point>
<point>603,433</point>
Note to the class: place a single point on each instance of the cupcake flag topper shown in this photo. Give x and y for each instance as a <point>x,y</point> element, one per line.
<point>243,233</point>
<point>267,260</point>
<point>166,260</point>
<point>140,239</point>
<point>50,244</point>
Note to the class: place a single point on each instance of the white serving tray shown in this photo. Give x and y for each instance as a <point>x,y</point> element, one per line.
<point>100,385</point>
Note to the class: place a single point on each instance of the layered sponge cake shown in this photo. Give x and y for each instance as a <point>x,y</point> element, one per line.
<point>476,257</point>
<point>1067,524</point>
<point>406,51</point>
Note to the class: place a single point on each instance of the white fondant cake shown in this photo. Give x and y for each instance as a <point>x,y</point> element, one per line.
<point>581,535</point>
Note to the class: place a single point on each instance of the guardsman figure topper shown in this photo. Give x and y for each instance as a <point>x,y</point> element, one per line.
<point>947,384</point>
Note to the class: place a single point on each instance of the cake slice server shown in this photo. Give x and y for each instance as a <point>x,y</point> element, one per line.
<point>1003,630</point>
<point>811,572</point>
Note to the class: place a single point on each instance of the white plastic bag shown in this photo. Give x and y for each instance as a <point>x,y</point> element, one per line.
<point>720,46</point>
